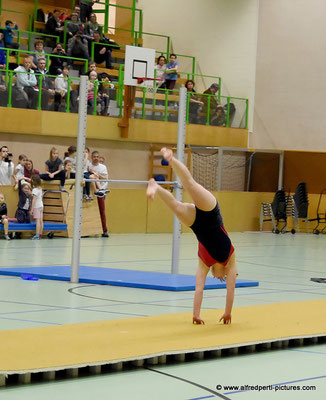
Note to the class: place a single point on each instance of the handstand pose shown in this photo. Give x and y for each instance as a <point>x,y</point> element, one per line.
<point>215,249</point>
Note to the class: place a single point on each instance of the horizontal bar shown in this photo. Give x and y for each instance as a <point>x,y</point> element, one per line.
<point>249,150</point>
<point>129,182</point>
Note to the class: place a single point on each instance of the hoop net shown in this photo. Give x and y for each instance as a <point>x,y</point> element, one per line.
<point>150,85</point>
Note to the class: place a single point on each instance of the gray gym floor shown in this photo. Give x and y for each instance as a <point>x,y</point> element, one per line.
<point>283,265</point>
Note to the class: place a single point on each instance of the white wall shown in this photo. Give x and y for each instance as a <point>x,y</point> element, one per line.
<point>291,76</point>
<point>221,34</point>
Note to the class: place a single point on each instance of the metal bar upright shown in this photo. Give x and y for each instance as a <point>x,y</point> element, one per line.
<point>178,187</point>
<point>280,171</point>
<point>81,139</point>
<point>220,168</point>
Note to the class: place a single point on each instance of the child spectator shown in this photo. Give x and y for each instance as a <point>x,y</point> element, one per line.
<point>22,215</point>
<point>54,168</point>
<point>160,75</point>
<point>9,35</point>
<point>101,160</point>
<point>91,94</point>
<point>67,165</point>
<point>37,206</point>
<point>39,47</point>
<point>61,89</point>
<point>29,169</point>
<point>3,215</point>
<point>19,170</point>
<point>171,72</point>
<point>70,155</point>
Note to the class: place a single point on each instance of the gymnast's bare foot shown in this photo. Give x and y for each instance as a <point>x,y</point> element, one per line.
<point>151,189</point>
<point>167,153</point>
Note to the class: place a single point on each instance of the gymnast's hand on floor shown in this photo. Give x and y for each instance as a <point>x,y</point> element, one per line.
<point>197,321</point>
<point>226,318</point>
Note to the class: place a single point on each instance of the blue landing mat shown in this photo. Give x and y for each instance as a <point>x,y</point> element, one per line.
<point>122,277</point>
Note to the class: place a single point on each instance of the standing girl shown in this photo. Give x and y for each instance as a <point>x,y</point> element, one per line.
<point>37,206</point>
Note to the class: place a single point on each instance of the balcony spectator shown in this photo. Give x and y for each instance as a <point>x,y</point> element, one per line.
<point>54,26</point>
<point>86,9</point>
<point>93,81</point>
<point>219,117</point>
<point>73,25</point>
<point>103,53</point>
<point>39,47</point>
<point>25,83</point>
<point>92,26</point>
<point>61,90</point>
<point>7,167</point>
<point>160,72</point>
<point>57,62</point>
<point>47,84</point>
<point>171,72</point>
<point>194,102</point>
<point>9,35</point>
<point>76,10</point>
<point>213,92</point>
<point>78,46</point>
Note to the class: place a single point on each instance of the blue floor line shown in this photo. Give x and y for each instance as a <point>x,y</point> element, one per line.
<point>31,321</point>
<point>307,351</point>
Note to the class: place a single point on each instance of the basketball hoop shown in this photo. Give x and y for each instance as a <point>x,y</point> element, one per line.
<point>149,84</point>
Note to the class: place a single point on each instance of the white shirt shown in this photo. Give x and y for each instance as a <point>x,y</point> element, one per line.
<point>37,192</point>
<point>19,171</point>
<point>101,170</point>
<point>61,83</point>
<point>6,171</point>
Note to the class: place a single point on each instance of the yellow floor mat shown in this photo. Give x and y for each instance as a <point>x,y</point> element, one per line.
<point>104,342</point>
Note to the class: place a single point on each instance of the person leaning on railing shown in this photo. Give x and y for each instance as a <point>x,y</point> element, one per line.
<point>61,90</point>
<point>9,34</point>
<point>213,92</point>
<point>25,83</point>
<point>103,53</point>
<point>194,102</point>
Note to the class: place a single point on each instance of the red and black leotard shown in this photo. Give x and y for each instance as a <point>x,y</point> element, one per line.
<point>214,244</point>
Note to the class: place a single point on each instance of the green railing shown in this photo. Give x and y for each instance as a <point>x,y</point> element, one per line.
<point>46,56</point>
<point>104,45</point>
<point>38,34</point>
<point>133,10</point>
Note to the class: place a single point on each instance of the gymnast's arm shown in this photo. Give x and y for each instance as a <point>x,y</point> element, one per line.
<point>230,286</point>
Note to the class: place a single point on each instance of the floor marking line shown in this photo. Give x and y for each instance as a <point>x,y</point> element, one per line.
<point>221,396</point>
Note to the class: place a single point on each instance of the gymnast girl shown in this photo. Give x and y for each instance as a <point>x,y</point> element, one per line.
<point>215,250</point>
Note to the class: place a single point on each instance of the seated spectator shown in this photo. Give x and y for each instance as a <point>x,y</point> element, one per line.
<point>194,102</point>
<point>76,10</point>
<point>103,53</point>
<point>3,88</point>
<point>57,62</point>
<point>25,83</point>
<point>54,26</point>
<point>160,75</point>
<point>213,91</point>
<point>70,155</point>
<point>7,167</point>
<point>2,53</point>
<point>54,168</point>
<point>86,9</point>
<point>9,35</point>
<point>29,169</point>
<point>87,187</point>
<point>39,47</point>
<point>219,117</point>
<point>3,216</point>
<point>73,26</point>
<point>61,90</point>
<point>171,72</point>
<point>67,165</point>
<point>78,46</point>
<point>47,84</point>
<point>92,26</point>
<point>100,107</point>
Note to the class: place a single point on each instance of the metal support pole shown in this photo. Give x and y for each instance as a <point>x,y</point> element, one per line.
<point>178,187</point>
<point>81,139</point>
<point>220,169</point>
<point>280,171</point>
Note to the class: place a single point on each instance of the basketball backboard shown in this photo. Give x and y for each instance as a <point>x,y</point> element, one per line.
<point>139,63</point>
